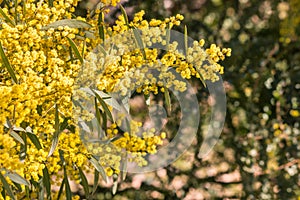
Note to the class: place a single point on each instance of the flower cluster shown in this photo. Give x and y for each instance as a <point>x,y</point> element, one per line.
<point>43,46</point>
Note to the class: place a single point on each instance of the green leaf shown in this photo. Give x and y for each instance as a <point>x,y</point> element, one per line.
<point>56,134</point>
<point>125,103</point>
<point>168,37</point>
<point>127,123</point>
<point>71,55</point>
<point>202,80</point>
<point>27,192</point>
<point>50,3</point>
<point>99,168</point>
<point>115,187</point>
<point>7,18</point>
<point>139,42</point>
<point>102,50</point>
<point>83,48</point>
<point>46,182</point>
<point>61,189</point>
<point>17,137</point>
<point>6,186</point>
<point>41,189</point>
<point>18,129</point>
<point>124,15</point>
<point>167,99</point>
<point>84,183</point>
<point>89,34</point>
<point>185,40</point>
<point>124,167</point>
<point>67,185</point>
<point>72,23</point>
<point>75,49</point>
<point>108,100</point>
<point>34,139</point>
<point>96,179</point>
<point>17,178</point>
<point>98,117</point>
<point>104,106</point>
<point>7,65</point>
<point>101,26</point>
<point>23,149</point>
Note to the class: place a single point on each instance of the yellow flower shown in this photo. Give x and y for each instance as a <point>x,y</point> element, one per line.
<point>294,113</point>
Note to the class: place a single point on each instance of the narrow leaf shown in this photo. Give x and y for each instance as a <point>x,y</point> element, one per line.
<point>124,167</point>
<point>127,124</point>
<point>18,129</point>
<point>33,138</point>
<point>185,40</point>
<point>99,168</point>
<point>61,189</point>
<point>101,26</point>
<point>72,23</point>
<point>98,117</point>
<point>108,100</point>
<point>41,190</point>
<point>17,178</point>
<point>71,55</point>
<point>202,79</point>
<point>89,34</point>
<point>27,192</point>
<point>124,15</point>
<point>61,156</point>
<point>17,137</point>
<point>84,183</point>
<point>6,186</point>
<point>83,48</point>
<point>125,103</point>
<point>67,185</point>
<point>104,118</point>
<point>115,187</point>
<point>46,182</point>
<point>56,134</point>
<point>23,149</point>
<point>104,106</point>
<point>96,179</point>
<point>167,99</point>
<point>139,42</point>
<point>7,18</point>
<point>102,50</point>
<point>75,49</point>
<point>7,65</point>
<point>168,37</point>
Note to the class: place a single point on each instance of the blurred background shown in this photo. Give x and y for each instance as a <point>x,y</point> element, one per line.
<point>258,153</point>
